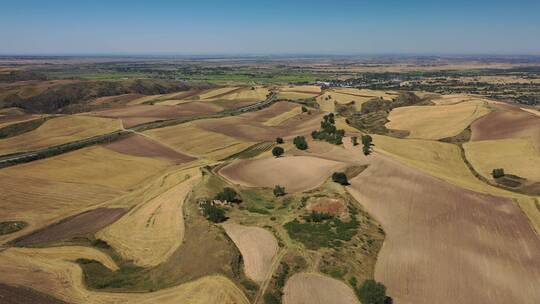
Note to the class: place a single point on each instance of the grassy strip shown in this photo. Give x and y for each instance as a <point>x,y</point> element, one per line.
<point>22,127</point>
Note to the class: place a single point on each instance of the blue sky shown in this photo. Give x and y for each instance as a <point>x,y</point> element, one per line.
<point>269,27</point>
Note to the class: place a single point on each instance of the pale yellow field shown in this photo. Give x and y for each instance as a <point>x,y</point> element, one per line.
<point>58,131</point>
<point>152,231</point>
<point>63,280</point>
<point>436,122</point>
<point>533,111</point>
<point>248,94</point>
<point>295,95</point>
<point>282,117</point>
<point>215,92</point>
<point>193,141</point>
<point>258,247</point>
<point>314,288</point>
<point>301,88</point>
<point>516,156</point>
<point>144,99</point>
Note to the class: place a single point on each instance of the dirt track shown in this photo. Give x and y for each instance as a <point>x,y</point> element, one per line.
<point>447,244</point>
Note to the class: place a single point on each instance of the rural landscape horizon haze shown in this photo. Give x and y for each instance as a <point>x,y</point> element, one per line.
<point>269,152</point>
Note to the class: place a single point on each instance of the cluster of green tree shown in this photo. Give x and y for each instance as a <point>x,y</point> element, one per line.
<point>328,131</point>
<point>497,173</point>
<point>340,178</point>
<point>300,142</point>
<point>371,292</point>
<point>278,151</point>
<point>317,217</point>
<point>328,232</point>
<point>280,278</point>
<point>367,142</point>
<point>228,195</point>
<point>279,191</point>
<point>214,213</point>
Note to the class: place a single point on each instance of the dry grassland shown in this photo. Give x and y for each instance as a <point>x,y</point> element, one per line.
<point>311,89</point>
<point>194,141</point>
<point>67,253</point>
<point>58,131</point>
<point>314,288</point>
<point>63,280</point>
<point>280,118</point>
<point>435,122</point>
<point>516,156</point>
<point>150,233</point>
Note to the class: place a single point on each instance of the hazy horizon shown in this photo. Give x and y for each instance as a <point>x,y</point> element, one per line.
<point>262,28</point>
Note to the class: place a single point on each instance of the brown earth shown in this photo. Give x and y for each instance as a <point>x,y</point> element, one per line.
<point>77,225</point>
<point>447,244</point>
<point>137,114</point>
<point>327,205</point>
<point>507,122</point>
<point>22,295</point>
<point>295,173</point>
<point>139,145</point>
<point>314,288</point>
<point>250,126</point>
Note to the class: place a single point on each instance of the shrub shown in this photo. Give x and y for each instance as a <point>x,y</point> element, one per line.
<point>277,151</point>
<point>279,140</point>
<point>214,213</point>
<point>271,299</point>
<point>372,292</point>
<point>340,178</point>
<point>498,172</point>
<point>228,194</point>
<point>300,142</point>
<point>367,141</point>
<point>304,109</point>
<point>354,140</point>
<point>279,190</point>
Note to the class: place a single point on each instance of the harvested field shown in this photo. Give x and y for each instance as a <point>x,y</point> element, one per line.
<point>328,100</point>
<point>310,89</point>
<point>191,140</point>
<point>140,145</point>
<point>533,111</point>
<point>435,122</point>
<point>447,243</point>
<point>150,233</point>
<point>507,122</point>
<point>116,100</point>
<point>516,156</point>
<point>138,114</point>
<point>314,288</point>
<point>258,247</point>
<point>58,131</point>
<point>280,118</point>
<point>247,94</point>
<point>63,280</point>
<point>48,190</point>
<point>217,93</point>
<point>250,127</point>
<point>88,222</point>
<point>21,295</point>
<point>291,95</point>
<point>302,172</point>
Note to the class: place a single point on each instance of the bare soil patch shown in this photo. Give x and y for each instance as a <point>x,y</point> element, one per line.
<point>21,295</point>
<point>139,145</point>
<point>507,122</point>
<point>295,173</point>
<point>447,243</point>
<point>77,225</point>
<point>332,206</point>
<point>313,288</point>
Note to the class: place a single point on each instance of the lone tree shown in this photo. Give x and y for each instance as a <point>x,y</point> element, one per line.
<point>228,194</point>
<point>354,140</point>
<point>340,178</point>
<point>300,142</point>
<point>367,142</point>
<point>214,213</point>
<point>277,151</point>
<point>279,140</point>
<point>498,172</point>
<point>279,190</point>
<point>372,292</point>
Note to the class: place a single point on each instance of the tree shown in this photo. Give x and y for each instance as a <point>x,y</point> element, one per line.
<point>354,140</point>
<point>300,142</point>
<point>228,194</point>
<point>214,213</point>
<point>277,151</point>
<point>367,141</point>
<point>279,190</point>
<point>372,292</point>
<point>340,178</point>
<point>279,140</point>
<point>304,109</point>
<point>498,172</point>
